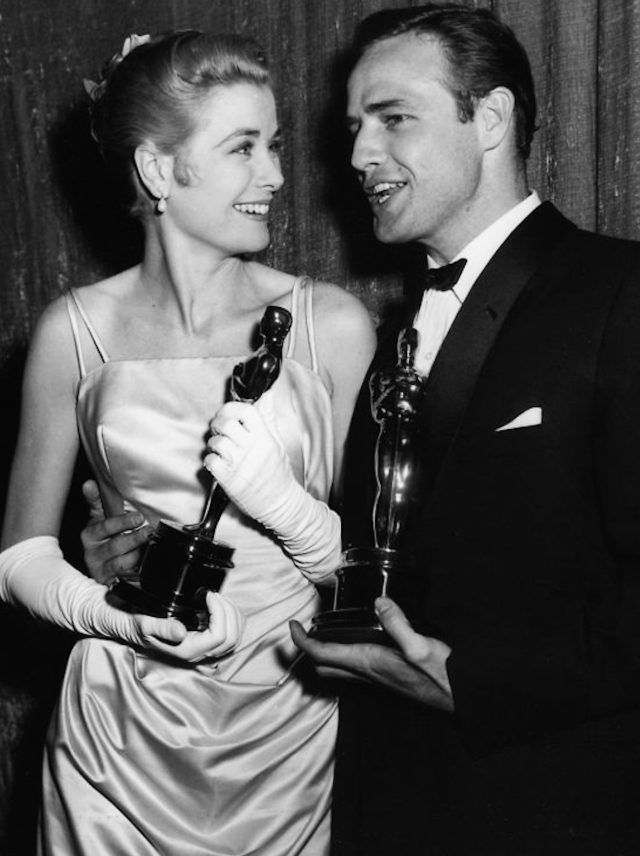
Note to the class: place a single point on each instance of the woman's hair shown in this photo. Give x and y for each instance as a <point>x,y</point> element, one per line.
<point>481,51</point>
<point>153,89</point>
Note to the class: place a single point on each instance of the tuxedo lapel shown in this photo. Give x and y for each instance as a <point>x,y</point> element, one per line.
<point>478,323</point>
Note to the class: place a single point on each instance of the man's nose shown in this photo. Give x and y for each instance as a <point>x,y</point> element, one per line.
<point>367,151</point>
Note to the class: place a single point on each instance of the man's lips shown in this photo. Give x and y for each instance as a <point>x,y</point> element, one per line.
<point>382,191</point>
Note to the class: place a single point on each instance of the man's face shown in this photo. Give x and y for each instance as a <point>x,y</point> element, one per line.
<point>419,165</point>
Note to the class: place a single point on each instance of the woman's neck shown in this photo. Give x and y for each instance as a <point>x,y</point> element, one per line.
<point>195,283</point>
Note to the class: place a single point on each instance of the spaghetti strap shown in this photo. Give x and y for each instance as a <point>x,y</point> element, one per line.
<point>75,308</point>
<point>302,307</point>
<point>73,320</point>
<point>308,306</point>
<point>293,332</point>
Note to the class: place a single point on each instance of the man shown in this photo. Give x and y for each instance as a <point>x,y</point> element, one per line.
<point>513,729</point>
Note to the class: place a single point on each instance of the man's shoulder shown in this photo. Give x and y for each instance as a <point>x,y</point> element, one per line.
<point>605,243</point>
<point>587,241</point>
<point>604,258</point>
<point>557,249</point>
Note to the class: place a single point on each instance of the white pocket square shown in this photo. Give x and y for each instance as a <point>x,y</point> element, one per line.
<point>530,417</point>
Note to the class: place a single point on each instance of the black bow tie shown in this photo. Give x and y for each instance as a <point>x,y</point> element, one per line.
<point>445,277</point>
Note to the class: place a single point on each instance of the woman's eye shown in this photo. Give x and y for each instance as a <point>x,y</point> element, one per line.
<point>244,149</point>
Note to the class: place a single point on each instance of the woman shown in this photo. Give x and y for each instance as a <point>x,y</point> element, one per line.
<point>167,740</point>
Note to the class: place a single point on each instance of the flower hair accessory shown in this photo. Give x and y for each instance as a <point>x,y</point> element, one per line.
<point>131,43</point>
<point>95,90</point>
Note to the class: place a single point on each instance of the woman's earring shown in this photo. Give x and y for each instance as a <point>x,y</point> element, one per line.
<point>161,204</point>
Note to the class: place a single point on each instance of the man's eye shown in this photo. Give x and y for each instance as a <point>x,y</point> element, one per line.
<point>394,119</point>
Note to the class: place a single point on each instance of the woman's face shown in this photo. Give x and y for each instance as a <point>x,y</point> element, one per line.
<point>228,171</point>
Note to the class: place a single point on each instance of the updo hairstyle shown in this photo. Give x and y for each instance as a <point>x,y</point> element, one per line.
<point>154,92</point>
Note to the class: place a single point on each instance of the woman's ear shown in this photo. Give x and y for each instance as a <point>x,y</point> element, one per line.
<point>496,113</point>
<point>155,170</point>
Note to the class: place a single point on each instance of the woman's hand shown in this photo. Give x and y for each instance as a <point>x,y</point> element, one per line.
<point>35,575</point>
<point>226,624</point>
<point>254,470</point>
<point>247,460</point>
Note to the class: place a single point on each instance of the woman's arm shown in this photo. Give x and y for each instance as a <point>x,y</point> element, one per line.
<point>48,438</point>
<point>33,572</point>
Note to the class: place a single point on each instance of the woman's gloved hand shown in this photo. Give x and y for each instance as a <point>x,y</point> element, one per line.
<point>252,467</point>
<point>35,575</point>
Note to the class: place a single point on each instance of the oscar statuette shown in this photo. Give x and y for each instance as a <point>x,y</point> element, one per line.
<point>384,569</point>
<point>182,562</point>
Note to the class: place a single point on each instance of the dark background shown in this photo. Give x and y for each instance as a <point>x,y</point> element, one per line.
<point>60,225</point>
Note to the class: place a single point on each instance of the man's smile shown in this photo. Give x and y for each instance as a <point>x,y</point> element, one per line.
<point>379,193</point>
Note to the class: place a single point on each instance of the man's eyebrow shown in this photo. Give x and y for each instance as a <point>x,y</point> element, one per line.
<point>388,104</point>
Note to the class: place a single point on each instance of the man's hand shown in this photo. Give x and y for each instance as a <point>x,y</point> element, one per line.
<point>112,545</point>
<point>415,668</point>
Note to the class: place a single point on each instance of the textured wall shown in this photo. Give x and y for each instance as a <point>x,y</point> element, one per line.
<point>60,226</point>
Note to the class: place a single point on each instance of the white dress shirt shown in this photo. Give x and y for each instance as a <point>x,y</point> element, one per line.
<point>439,308</point>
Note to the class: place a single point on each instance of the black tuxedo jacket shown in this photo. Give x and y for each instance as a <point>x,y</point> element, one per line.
<point>530,542</point>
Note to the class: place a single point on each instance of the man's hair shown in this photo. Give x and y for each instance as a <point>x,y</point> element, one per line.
<point>481,51</point>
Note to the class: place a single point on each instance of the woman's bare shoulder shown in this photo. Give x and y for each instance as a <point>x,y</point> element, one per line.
<point>273,286</point>
<point>53,337</point>
<point>340,311</point>
<point>53,326</point>
<point>112,289</point>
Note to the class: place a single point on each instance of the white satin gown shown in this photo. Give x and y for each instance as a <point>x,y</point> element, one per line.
<point>230,757</point>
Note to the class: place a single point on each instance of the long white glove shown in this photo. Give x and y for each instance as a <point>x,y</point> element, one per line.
<point>253,469</point>
<point>34,574</point>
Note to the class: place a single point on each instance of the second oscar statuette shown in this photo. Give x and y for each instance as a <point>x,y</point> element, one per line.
<point>384,569</point>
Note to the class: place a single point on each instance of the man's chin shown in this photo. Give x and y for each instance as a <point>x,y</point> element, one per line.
<point>388,233</point>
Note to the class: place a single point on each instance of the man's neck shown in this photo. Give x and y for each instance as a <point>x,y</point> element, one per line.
<point>489,206</point>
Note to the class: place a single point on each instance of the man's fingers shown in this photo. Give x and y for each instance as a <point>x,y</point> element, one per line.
<point>124,563</point>
<point>123,546</point>
<point>415,647</point>
<point>128,524</point>
<point>331,673</point>
<point>427,654</point>
<point>349,660</point>
<point>320,652</point>
<point>106,559</point>
<point>395,622</point>
<point>91,493</point>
